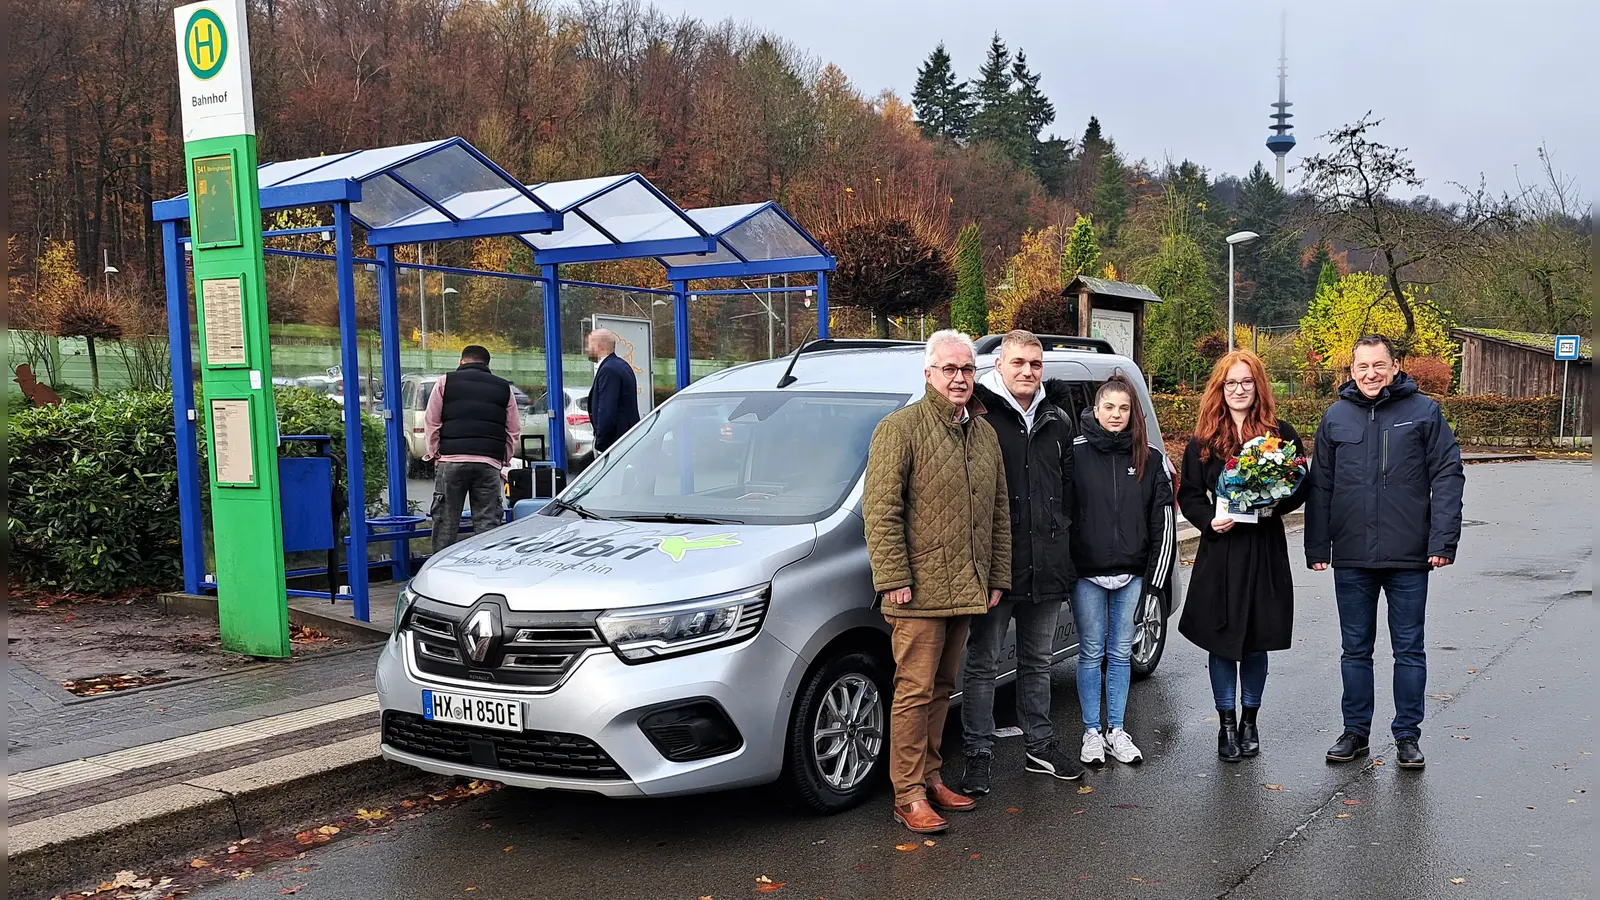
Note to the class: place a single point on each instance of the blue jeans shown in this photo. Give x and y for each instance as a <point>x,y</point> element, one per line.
<point>1105,636</point>
<point>1249,673</point>
<point>1407,594</point>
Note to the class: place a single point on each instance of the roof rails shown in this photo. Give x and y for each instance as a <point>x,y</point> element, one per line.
<point>840,344</point>
<point>989,343</point>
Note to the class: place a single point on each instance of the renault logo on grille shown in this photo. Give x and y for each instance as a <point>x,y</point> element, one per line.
<point>479,633</point>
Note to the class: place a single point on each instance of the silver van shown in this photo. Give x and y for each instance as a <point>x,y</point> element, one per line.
<point>695,612</point>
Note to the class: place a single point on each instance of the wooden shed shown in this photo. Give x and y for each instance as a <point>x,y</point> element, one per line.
<point>1113,310</point>
<point>1523,364</point>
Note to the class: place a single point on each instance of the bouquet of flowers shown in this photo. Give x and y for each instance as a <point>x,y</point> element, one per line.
<point>1266,470</point>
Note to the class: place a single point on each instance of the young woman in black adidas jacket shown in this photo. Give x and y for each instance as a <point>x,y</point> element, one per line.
<point>1122,545</point>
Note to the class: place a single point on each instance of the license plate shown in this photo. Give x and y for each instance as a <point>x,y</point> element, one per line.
<point>502,715</point>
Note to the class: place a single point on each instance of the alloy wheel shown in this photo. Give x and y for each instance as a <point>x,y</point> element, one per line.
<point>847,734</point>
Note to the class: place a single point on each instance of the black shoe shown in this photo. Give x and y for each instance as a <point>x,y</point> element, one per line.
<point>1349,746</point>
<point>1407,755</point>
<point>1051,761</point>
<point>1228,736</point>
<point>1249,737</point>
<point>975,783</point>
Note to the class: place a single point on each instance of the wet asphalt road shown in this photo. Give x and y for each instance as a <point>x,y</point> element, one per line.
<point>1505,804</point>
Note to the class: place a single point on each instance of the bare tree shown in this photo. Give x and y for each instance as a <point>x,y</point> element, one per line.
<point>1351,189</point>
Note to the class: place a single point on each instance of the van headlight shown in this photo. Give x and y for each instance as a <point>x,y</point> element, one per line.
<point>655,632</point>
<point>402,605</point>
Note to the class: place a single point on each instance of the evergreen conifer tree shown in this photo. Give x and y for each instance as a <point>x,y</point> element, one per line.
<point>940,100</point>
<point>1082,255</point>
<point>1112,197</point>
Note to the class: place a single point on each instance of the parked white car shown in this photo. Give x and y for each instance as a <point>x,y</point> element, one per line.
<point>415,388</point>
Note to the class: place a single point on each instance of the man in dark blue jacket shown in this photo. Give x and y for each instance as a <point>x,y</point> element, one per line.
<point>1384,511</point>
<point>614,396</point>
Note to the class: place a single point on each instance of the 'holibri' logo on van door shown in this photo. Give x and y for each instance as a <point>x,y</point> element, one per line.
<point>675,546</point>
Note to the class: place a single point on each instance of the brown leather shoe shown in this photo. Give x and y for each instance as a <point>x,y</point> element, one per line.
<point>948,800</point>
<point>920,818</point>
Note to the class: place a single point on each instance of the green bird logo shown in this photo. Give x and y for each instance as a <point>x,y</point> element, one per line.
<point>675,546</point>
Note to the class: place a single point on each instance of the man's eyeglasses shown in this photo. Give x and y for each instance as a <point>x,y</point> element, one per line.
<point>1240,386</point>
<point>950,372</point>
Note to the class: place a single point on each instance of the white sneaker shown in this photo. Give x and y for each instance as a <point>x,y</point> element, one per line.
<point>1121,746</point>
<point>1094,748</point>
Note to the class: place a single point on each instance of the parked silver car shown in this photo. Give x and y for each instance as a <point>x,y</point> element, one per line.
<point>693,613</point>
<point>416,388</point>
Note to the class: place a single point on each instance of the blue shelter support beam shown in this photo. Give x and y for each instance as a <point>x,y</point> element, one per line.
<point>191,526</point>
<point>552,366</point>
<point>394,426</point>
<point>822,305</point>
<point>350,371</point>
<point>680,333</point>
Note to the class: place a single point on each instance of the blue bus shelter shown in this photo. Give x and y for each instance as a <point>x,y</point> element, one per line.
<point>447,190</point>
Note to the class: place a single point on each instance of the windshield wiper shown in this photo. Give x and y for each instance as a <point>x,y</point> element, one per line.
<point>573,507</point>
<point>681,519</point>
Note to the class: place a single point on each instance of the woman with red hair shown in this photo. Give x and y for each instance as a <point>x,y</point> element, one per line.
<point>1240,602</point>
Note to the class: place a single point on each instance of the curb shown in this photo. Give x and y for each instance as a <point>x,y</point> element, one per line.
<point>170,821</point>
<point>178,603</point>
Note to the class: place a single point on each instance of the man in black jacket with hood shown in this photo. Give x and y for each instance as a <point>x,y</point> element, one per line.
<point>1036,444</point>
<point>1384,511</point>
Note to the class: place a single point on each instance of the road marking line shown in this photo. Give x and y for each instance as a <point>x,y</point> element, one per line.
<point>80,771</point>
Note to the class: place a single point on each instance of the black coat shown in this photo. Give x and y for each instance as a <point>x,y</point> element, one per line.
<point>1386,482</point>
<point>1121,525</point>
<point>1039,484</point>
<point>613,402</point>
<point>1241,591</point>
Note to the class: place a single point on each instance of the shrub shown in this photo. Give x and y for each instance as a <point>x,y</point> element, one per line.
<point>1475,419</point>
<point>1432,374</point>
<point>93,485</point>
<point>1048,311</point>
<point>93,494</point>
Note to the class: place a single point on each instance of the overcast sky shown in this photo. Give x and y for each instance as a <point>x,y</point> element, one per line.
<point>1468,86</point>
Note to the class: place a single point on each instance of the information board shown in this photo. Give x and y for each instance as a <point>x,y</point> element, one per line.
<point>231,447</point>
<point>215,216</point>
<point>1115,326</point>
<point>222,300</point>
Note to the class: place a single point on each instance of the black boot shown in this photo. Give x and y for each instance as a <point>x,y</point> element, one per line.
<point>1228,736</point>
<point>1249,737</point>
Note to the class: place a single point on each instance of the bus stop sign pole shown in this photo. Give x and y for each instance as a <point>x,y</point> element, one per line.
<point>219,149</point>
<point>1566,351</point>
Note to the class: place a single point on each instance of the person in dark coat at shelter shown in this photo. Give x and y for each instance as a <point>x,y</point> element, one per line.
<point>614,396</point>
<point>1240,601</point>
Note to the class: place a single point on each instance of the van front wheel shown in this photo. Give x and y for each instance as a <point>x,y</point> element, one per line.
<point>1149,636</point>
<point>838,735</point>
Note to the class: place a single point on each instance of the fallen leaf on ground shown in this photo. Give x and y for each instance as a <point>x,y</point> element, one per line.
<point>927,843</point>
<point>1273,787</point>
<point>1086,789</point>
<point>1472,671</point>
<point>1461,737</point>
<point>371,815</point>
<point>1353,802</point>
<point>242,875</point>
<point>771,887</point>
<point>1079,812</point>
<point>1343,816</point>
<point>1458,881</point>
<point>328,830</point>
<point>293,890</point>
<point>1135,878</point>
<point>905,848</point>
<point>977,856</point>
<point>199,863</point>
<point>1377,761</point>
<point>302,868</point>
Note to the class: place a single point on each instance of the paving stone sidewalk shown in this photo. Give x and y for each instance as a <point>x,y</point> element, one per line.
<point>48,726</point>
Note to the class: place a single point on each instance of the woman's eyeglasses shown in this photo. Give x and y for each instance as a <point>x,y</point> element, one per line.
<point>1238,387</point>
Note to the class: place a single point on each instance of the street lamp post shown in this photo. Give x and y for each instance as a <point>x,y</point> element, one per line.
<point>108,271</point>
<point>1238,237</point>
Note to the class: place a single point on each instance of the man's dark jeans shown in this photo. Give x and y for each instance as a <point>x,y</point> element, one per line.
<point>1036,628</point>
<point>1407,593</point>
<point>457,481</point>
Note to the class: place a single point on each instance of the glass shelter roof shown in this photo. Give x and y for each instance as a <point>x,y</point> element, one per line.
<point>447,190</point>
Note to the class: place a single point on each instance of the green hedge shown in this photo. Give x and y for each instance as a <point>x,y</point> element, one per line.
<point>93,485</point>
<point>1475,419</point>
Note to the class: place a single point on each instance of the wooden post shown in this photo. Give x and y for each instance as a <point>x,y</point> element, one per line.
<point>1085,311</point>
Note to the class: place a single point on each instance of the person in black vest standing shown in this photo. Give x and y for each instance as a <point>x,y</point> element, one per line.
<point>471,427</point>
<point>1036,446</point>
<point>614,396</point>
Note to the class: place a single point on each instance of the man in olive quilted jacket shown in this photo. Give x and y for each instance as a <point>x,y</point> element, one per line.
<point>938,526</point>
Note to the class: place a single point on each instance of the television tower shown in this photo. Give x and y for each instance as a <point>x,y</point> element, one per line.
<point>1280,142</point>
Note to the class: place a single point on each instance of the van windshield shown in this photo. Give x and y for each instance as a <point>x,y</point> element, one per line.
<point>769,457</point>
